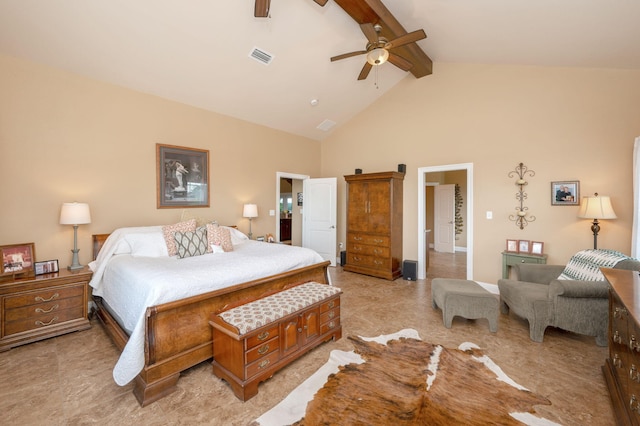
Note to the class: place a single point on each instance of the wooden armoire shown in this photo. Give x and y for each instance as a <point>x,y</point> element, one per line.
<point>374,224</point>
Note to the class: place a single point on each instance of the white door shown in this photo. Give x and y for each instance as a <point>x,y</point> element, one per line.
<point>444,211</point>
<point>319,217</point>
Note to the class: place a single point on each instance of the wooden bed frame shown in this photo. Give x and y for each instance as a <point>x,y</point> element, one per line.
<point>178,335</point>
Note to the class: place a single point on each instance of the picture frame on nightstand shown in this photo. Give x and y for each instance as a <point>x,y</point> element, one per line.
<point>17,259</point>
<point>47,267</point>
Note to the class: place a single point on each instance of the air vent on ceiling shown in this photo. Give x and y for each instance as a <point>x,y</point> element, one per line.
<point>326,125</point>
<point>261,56</point>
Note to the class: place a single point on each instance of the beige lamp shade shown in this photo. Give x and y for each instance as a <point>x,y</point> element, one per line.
<point>75,214</point>
<point>250,210</point>
<point>596,207</point>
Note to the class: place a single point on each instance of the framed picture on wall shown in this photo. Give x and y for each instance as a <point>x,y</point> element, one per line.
<point>523,246</point>
<point>182,177</point>
<point>565,193</point>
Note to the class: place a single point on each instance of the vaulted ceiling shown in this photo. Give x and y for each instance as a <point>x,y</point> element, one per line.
<point>198,51</point>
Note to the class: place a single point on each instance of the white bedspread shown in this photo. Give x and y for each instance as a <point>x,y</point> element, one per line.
<point>129,283</point>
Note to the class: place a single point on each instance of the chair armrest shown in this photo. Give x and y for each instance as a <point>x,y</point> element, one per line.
<point>537,272</point>
<point>585,289</point>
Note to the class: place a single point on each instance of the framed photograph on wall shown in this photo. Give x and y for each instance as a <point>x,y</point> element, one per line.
<point>46,267</point>
<point>512,246</point>
<point>537,247</point>
<point>17,259</point>
<point>523,246</point>
<point>565,193</point>
<point>182,177</point>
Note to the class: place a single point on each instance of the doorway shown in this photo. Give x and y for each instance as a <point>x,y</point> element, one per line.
<point>288,213</point>
<point>428,178</point>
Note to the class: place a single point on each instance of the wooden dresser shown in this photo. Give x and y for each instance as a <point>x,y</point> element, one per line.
<point>374,224</point>
<point>622,367</point>
<point>44,306</point>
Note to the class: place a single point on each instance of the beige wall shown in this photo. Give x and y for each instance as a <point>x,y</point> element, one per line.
<point>66,138</point>
<point>565,124</point>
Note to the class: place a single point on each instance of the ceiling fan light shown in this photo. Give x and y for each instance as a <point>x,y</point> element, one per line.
<point>377,56</point>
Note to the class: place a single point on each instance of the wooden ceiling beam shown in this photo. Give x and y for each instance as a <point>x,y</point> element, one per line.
<point>374,12</point>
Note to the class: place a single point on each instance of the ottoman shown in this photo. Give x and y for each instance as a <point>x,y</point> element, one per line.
<point>464,298</point>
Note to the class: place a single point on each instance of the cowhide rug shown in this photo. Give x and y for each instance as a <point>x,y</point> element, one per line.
<point>400,379</point>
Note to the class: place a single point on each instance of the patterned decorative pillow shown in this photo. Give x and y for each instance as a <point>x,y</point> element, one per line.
<point>169,230</point>
<point>191,243</point>
<point>219,236</point>
<point>585,265</point>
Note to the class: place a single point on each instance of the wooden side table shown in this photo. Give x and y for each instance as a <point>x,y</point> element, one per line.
<point>510,259</point>
<point>43,306</point>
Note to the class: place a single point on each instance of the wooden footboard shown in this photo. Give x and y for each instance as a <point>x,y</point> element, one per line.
<point>178,334</point>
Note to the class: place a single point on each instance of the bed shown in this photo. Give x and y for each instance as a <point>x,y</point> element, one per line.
<point>156,307</point>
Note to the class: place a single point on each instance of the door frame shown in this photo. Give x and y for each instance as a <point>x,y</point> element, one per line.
<point>285,175</point>
<point>422,171</point>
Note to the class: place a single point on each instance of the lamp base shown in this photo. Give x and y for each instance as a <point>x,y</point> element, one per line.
<point>75,264</point>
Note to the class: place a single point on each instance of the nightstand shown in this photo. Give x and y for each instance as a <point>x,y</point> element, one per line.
<point>43,306</point>
<point>510,259</point>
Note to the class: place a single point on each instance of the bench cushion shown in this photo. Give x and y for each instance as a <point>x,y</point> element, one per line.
<point>258,313</point>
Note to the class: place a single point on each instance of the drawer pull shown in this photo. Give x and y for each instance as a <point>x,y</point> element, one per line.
<point>522,261</point>
<point>263,335</point>
<point>332,324</point>
<point>357,238</point>
<point>356,258</point>
<point>617,362</point>
<point>619,312</point>
<point>377,262</point>
<point>332,304</point>
<point>633,345</point>
<point>46,311</point>
<point>332,314</point>
<point>263,350</point>
<point>357,248</point>
<point>616,337</point>
<point>633,403</point>
<point>40,323</point>
<point>264,363</point>
<point>376,251</point>
<point>378,241</point>
<point>41,299</point>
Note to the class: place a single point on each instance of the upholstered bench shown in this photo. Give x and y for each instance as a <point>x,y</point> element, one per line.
<point>254,340</point>
<point>464,298</point>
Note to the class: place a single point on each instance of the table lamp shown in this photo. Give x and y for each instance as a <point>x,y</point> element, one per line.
<point>75,214</point>
<point>596,207</point>
<point>250,211</point>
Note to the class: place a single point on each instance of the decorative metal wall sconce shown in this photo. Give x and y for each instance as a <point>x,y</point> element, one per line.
<point>521,218</point>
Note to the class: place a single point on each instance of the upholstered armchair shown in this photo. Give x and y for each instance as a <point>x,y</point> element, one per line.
<point>575,305</point>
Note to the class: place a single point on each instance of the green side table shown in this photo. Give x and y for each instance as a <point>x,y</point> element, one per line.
<point>510,259</point>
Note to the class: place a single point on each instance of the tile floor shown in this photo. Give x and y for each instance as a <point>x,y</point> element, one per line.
<point>67,380</point>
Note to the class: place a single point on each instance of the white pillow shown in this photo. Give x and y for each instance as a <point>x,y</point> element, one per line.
<point>150,244</point>
<point>216,249</point>
<point>237,237</point>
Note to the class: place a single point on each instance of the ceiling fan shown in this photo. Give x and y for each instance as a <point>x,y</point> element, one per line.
<point>380,50</point>
<point>261,9</point>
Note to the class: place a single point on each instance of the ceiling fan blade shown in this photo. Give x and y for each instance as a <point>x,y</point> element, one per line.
<point>369,32</point>
<point>321,2</point>
<point>400,62</point>
<point>261,9</point>
<point>348,55</point>
<point>405,39</point>
<point>365,71</point>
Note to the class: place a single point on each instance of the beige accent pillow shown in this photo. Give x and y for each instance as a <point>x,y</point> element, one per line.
<point>168,232</point>
<point>219,236</point>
